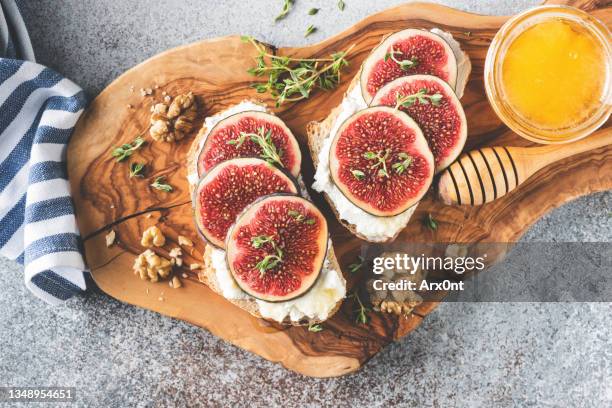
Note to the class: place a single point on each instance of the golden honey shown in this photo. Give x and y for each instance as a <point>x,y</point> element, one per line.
<point>548,74</point>
<point>553,74</point>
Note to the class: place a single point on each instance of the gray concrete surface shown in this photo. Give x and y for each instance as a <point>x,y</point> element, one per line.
<point>464,355</point>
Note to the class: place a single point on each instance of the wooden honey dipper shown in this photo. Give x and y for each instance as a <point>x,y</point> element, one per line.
<point>483,175</point>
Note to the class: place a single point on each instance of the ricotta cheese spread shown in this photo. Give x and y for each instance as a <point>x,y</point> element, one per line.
<point>317,303</point>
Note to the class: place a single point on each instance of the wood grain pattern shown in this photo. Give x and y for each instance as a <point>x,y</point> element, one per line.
<point>215,70</point>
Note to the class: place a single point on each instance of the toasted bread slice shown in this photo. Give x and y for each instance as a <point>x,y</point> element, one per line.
<point>207,274</point>
<point>317,132</point>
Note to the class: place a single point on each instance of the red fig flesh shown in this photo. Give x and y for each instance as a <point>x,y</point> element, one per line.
<point>407,52</point>
<point>277,248</point>
<point>380,161</point>
<point>244,135</point>
<point>435,108</point>
<point>229,187</point>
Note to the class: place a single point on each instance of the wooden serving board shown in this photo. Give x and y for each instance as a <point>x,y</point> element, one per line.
<point>215,70</point>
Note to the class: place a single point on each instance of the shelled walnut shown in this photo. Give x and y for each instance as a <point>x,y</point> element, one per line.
<point>151,266</point>
<point>152,237</point>
<point>399,302</point>
<point>171,120</point>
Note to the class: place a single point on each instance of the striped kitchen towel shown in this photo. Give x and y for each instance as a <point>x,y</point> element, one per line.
<point>38,111</point>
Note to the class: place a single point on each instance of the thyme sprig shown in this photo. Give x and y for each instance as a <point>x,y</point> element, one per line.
<point>431,223</point>
<point>160,184</point>
<point>354,267</point>
<point>380,159</point>
<point>299,217</point>
<point>293,79</point>
<point>258,241</point>
<point>271,260</point>
<point>341,5</point>
<point>362,311</point>
<point>126,150</point>
<point>404,65</point>
<point>269,152</point>
<point>287,4</point>
<point>313,11</point>
<point>136,169</point>
<point>400,167</point>
<point>315,328</point>
<point>422,97</point>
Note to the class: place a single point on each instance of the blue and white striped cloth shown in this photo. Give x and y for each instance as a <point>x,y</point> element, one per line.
<point>38,111</point>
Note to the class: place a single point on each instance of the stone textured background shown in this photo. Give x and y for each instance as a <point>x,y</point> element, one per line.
<point>477,355</point>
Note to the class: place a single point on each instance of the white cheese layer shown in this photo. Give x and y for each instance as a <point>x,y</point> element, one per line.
<point>211,121</point>
<point>372,227</point>
<point>464,65</point>
<point>317,303</point>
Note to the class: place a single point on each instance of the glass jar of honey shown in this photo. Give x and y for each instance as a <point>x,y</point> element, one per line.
<point>548,74</point>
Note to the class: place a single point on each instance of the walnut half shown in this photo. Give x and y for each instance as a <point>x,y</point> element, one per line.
<point>171,121</point>
<point>152,237</point>
<point>151,266</point>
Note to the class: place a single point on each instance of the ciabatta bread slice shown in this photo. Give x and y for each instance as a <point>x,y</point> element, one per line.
<point>208,273</point>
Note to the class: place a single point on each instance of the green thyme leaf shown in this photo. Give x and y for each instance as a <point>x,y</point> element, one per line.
<point>354,267</point>
<point>124,151</point>
<point>160,184</point>
<point>405,162</point>
<point>313,11</point>
<point>136,169</point>
<point>267,263</point>
<point>309,30</point>
<point>422,97</point>
<point>286,9</point>
<point>315,328</point>
<point>358,174</point>
<point>269,152</point>
<point>258,241</point>
<point>362,311</point>
<point>341,5</point>
<point>431,223</point>
<point>298,216</point>
<point>404,65</point>
<point>380,161</point>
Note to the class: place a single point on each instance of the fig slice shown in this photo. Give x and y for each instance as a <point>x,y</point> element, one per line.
<point>407,52</point>
<point>277,247</point>
<point>229,187</point>
<point>435,108</point>
<point>380,161</point>
<point>244,135</point>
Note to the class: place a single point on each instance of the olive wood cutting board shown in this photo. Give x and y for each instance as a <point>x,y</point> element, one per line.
<point>215,70</point>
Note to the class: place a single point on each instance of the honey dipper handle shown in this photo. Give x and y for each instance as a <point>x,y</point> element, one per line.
<point>479,176</point>
<point>483,175</point>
